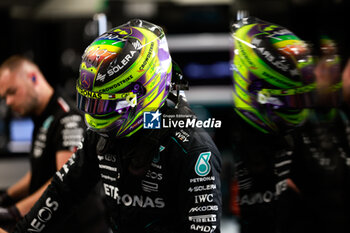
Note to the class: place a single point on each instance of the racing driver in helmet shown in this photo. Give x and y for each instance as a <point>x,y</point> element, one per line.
<point>154,180</point>
<point>273,88</point>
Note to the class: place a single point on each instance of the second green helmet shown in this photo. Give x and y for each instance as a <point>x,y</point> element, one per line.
<point>273,80</point>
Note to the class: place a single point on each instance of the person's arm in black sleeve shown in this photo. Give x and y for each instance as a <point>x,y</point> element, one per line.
<point>69,129</point>
<point>68,187</point>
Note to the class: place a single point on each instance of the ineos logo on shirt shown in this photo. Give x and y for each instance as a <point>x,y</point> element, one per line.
<point>44,215</point>
<point>154,175</point>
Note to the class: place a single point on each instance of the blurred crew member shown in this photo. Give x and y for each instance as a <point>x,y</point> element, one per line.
<point>58,130</point>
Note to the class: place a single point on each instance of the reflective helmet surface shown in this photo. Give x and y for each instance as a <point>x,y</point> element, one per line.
<point>124,73</point>
<point>272,75</point>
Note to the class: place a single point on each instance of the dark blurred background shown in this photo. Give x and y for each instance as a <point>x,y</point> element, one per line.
<point>54,33</point>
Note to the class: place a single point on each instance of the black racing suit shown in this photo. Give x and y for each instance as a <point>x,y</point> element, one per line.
<point>322,171</point>
<point>59,127</point>
<point>262,168</point>
<point>162,181</point>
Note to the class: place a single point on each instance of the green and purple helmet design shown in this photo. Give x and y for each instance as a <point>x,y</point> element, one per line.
<point>273,77</point>
<point>124,73</point>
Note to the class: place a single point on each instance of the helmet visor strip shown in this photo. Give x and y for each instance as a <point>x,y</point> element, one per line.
<point>300,97</point>
<point>96,103</point>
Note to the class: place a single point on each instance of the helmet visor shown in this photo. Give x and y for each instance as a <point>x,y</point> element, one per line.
<point>96,103</point>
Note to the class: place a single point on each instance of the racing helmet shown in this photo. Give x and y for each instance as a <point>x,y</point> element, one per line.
<point>273,79</point>
<point>124,73</point>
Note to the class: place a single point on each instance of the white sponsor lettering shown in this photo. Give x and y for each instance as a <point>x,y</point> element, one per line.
<point>117,68</point>
<point>106,167</point>
<point>265,197</point>
<point>111,191</point>
<point>110,158</point>
<point>149,186</point>
<point>42,137</point>
<point>128,200</point>
<point>279,32</point>
<point>71,125</point>
<point>202,179</point>
<point>202,228</point>
<point>286,162</point>
<point>65,168</point>
<point>141,201</point>
<point>149,54</point>
<point>203,198</point>
<point>101,77</point>
<point>71,143</point>
<point>265,99</point>
<point>268,56</point>
<point>72,118</point>
<point>154,175</point>
<point>40,141</point>
<point>202,188</point>
<point>183,136</point>
<point>137,45</point>
<point>107,157</point>
<point>108,177</point>
<point>281,186</point>
<point>39,144</point>
<point>37,152</point>
<point>73,131</point>
<point>204,208</point>
<point>43,216</point>
<point>256,41</point>
<point>72,137</point>
<point>156,165</point>
<point>203,218</point>
<point>112,36</point>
